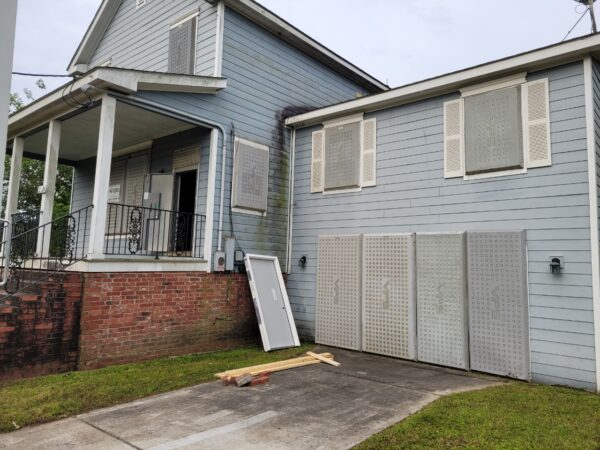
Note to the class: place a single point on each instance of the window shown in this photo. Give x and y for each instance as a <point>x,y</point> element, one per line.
<point>344,156</point>
<point>182,46</point>
<point>497,129</point>
<point>126,186</point>
<point>250,177</point>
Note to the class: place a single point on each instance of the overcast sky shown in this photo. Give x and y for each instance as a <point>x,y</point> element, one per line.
<point>398,41</point>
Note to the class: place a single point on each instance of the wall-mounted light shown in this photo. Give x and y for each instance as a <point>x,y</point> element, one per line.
<point>556,264</point>
<point>302,261</point>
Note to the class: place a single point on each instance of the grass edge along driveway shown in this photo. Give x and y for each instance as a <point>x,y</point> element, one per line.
<point>512,416</point>
<point>52,397</point>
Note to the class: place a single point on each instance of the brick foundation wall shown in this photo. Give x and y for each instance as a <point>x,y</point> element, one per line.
<point>128,317</point>
<point>39,329</point>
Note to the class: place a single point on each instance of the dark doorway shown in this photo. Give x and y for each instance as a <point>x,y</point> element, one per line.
<point>185,206</point>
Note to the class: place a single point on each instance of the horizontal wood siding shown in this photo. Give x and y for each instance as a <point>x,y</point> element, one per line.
<point>411,195</point>
<point>139,38</point>
<point>268,80</point>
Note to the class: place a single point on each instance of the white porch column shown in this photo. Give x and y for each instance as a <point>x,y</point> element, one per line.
<point>49,187</point>
<point>101,180</point>
<point>8,20</point>
<point>16,161</point>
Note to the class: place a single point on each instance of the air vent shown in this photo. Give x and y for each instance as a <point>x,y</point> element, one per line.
<point>139,3</point>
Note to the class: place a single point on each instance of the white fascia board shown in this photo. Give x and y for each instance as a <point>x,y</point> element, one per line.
<point>287,31</point>
<point>122,81</point>
<point>546,57</point>
<point>93,35</point>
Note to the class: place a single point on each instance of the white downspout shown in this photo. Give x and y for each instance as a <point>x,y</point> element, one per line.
<point>291,198</point>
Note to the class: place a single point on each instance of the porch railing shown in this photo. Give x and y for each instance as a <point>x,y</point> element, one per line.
<point>140,231</point>
<point>37,253</point>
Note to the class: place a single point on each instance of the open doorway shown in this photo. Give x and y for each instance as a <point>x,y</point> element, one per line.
<point>185,206</point>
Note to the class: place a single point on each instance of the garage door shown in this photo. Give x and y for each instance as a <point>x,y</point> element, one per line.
<point>388,295</point>
<point>442,315</point>
<point>338,314</point>
<point>498,312</point>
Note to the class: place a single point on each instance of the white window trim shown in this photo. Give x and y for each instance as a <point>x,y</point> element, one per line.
<point>184,18</point>
<point>335,123</point>
<point>513,80</point>
<point>343,121</point>
<point>517,80</point>
<point>266,148</point>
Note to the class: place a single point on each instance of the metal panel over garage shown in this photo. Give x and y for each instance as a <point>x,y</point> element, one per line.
<point>442,315</point>
<point>498,306</point>
<point>388,295</point>
<point>338,318</point>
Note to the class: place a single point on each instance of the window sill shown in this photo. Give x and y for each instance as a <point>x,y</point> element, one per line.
<point>500,173</point>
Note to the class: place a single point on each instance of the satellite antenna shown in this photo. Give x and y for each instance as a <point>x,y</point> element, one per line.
<point>590,7</point>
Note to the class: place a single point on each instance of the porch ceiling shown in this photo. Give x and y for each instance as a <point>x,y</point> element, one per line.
<point>79,136</point>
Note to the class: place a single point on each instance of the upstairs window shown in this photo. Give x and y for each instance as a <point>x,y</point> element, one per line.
<point>250,177</point>
<point>182,46</point>
<point>344,156</point>
<point>497,130</point>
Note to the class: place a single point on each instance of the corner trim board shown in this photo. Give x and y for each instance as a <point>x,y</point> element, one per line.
<point>593,196</point>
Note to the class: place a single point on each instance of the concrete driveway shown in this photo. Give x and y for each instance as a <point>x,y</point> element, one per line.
<point>317,406</point>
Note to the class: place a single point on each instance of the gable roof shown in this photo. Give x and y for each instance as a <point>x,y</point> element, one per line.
<point>542,58</point>
<point>249,9</point>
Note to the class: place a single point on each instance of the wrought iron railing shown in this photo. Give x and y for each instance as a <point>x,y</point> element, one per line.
<point>140,231</point>
<point>24,221</point>
<point>37,253</point>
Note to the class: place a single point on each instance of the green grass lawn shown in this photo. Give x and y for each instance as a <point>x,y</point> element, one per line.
<point>512,416</point>
<point>52,397</point>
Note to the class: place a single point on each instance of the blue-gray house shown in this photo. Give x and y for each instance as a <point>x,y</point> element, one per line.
<point>455,220</point>
<point>452,221</point>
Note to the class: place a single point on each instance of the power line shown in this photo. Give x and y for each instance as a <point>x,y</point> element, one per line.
<point>576,23</point>
<point>42,75</point>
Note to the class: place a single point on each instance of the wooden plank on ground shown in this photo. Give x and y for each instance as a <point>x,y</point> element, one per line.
<point>324,359</point>
<point>274,367</point>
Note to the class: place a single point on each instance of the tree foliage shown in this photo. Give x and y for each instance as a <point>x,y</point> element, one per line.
<point>32,171</point>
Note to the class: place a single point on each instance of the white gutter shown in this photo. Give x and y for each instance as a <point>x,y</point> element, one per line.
<point>593,194</point>
<point>554,55</point>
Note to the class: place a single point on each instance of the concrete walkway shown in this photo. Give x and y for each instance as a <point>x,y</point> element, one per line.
<point>317,406</point>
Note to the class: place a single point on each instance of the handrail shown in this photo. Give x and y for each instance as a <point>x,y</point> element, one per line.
<point>38,253</point>
<point>6,250</point>
<point>142,231</point>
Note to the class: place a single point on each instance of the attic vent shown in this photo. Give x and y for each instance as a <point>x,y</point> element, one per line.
<point>182,47</point>
<point>139,3</point>
<point>250,176</point>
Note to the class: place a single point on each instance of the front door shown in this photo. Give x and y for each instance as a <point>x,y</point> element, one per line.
<point>183,226</point>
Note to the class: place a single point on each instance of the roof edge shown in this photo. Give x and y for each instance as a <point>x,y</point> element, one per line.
<point>537,59</point>
<point>98,26</point>
<point>267,19</point>
<point>96,83</point>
